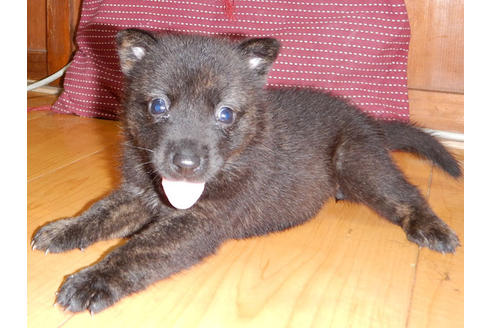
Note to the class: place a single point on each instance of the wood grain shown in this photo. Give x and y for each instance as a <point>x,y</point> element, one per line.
<point>51,26</point>
<point>36,40</point>
<point>75,10</point>
<point>60,139</point>
<point>435,59</point>
<point>437,110</point>
<point>438,293</point>
<point>52,197</point>
<point>346,267</point>
<point>59,35</point>
<point>36,64</point>
<point>36,25</point>
<point>37,99</point>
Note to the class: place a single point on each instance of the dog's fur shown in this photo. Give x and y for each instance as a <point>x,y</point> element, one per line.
<point>286,153</point>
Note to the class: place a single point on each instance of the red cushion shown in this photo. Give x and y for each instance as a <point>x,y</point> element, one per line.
<point>354,48</point>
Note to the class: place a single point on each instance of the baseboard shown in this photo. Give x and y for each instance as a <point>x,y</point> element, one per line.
<point>437,110</point>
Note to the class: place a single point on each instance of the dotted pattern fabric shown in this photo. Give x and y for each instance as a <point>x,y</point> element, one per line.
<point>356,49</point>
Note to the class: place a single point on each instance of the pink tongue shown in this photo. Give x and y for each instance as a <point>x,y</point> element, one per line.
<point>182,194</point>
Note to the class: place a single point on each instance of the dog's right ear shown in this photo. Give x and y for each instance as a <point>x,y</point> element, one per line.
<point>133,45</point>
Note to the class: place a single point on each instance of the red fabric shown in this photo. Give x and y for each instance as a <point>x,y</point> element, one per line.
<point>354,48</point>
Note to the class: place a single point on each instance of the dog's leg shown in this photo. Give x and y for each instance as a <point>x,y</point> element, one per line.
<point>367,174</point>
<point>117,215</point>
<point>152,254</point>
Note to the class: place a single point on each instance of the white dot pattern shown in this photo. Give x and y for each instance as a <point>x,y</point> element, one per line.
<point>357,49</point>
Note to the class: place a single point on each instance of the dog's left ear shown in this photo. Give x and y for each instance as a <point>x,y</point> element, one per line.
<point>133,45</point>
<point>260,53</point>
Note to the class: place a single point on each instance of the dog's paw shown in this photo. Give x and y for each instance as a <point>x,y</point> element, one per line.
<point>88,289</point>
<point>432,233</point>
<point>58,236</point>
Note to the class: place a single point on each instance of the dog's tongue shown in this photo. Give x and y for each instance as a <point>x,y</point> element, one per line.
<point>182,194</point>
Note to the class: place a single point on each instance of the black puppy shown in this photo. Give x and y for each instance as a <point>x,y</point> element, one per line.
<point>210,155</point>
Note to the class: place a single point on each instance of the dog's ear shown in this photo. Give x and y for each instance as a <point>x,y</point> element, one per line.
<point>133,45</point>
<point>260,53</point>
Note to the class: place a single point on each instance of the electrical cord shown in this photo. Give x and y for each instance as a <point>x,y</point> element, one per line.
<point>446,135</point>
<point>48,79</point>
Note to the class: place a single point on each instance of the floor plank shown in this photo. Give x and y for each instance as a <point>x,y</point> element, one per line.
<point>438,297</point>
<point>346,267</point>
<point>37,99</point>
<point>55,140</point>
<point>55,196</point>
<point>37,114</point>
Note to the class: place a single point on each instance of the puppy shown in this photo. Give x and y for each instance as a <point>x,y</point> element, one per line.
<point>209,154</point>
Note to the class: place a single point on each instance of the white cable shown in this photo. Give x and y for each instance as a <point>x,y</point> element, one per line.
<point>48,79</point>
<point>446,135</point>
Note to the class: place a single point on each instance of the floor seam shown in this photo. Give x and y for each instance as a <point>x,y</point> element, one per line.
<point>417,258</point>
<point>65,321</point>
<point>68,164</point>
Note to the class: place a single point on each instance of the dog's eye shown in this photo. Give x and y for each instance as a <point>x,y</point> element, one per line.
<point>158,106</point>
<point>225,115</point>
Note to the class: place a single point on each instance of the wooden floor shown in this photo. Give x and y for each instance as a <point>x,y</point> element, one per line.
<point>345,268</point>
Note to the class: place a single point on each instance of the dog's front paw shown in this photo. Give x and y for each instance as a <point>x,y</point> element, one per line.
<point>433,233</point>
<point>58,236</point>
<point>90,289</point>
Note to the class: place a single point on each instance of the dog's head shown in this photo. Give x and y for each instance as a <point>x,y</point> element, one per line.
<point>192,102</point>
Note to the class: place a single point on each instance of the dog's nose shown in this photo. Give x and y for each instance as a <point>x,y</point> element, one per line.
<point>186,162</point>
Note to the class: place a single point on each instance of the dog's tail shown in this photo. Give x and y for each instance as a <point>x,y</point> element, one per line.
<point>406,137</point>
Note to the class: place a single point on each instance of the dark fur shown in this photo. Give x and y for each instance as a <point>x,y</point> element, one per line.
<point>288,151</point>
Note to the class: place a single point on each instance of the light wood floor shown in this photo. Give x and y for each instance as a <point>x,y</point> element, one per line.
<point>347,267</point>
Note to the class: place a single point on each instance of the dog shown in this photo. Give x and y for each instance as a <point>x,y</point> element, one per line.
<point>210,154</point>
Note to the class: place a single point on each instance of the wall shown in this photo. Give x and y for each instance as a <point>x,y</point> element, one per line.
<point>51,26</point>
<point>435,63</point>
